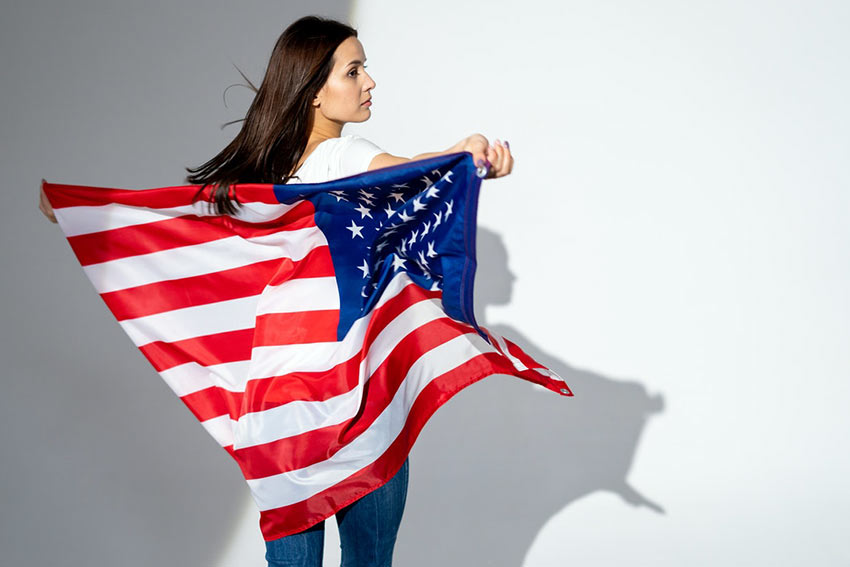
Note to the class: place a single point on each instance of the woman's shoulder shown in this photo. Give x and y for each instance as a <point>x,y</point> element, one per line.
<point>339,157</point>
<point>354,154</point>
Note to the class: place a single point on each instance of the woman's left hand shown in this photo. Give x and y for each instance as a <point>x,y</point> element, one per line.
<point>500,158</point>
<point>44,204</point>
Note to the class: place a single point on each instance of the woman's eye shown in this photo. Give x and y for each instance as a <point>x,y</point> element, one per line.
<point>355,70</point>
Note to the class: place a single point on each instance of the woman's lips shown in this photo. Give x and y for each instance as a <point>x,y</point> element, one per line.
<point>367,103</point>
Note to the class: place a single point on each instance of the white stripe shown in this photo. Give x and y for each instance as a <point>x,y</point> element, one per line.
<point>221,428</point>
<point>295,486</point>
<point>550,374</point>
<point>503,346</point>
<point>199,259</point>
<point>87,219</point>
<point>195,321</point>
<point>298,417</point>
<point>191,377</point>
<point>276,360</point>
<point>263,212</point>
<point>302,294</point>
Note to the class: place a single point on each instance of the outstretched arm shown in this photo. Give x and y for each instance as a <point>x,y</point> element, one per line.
<point>498,155</point>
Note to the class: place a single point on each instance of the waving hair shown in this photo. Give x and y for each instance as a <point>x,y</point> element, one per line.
<point>277,126</point>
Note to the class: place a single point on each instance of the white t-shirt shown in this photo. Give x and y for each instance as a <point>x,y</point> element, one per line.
<point>336,158</point>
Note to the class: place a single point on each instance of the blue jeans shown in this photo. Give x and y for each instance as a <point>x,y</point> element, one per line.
<point>367,531</point>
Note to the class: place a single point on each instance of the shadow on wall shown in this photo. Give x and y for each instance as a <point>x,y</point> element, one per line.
<point>504,456</point>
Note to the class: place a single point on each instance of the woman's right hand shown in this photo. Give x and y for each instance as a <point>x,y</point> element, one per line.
<point>497,157</point>
<point>44,205</point>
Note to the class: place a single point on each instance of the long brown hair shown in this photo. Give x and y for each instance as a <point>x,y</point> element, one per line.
<point>277,126</point>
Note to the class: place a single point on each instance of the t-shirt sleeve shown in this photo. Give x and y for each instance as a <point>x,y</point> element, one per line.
<point>356,155</point>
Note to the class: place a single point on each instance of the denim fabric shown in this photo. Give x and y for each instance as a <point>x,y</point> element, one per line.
<point>367,531</point>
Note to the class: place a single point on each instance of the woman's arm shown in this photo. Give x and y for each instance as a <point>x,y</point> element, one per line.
<point>497,156</point>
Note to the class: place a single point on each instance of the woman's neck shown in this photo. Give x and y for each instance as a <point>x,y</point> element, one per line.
<point>323,130</point>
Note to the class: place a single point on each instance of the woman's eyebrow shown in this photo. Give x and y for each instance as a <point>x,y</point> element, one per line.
<point>358,61</point>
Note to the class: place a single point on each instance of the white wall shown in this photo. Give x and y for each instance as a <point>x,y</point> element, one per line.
<point>678,219</point>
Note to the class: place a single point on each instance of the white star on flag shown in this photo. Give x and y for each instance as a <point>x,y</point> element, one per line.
<point>355,230</point>
<point>365,268</point>
<point>431,252</point>
<point>364,212</point>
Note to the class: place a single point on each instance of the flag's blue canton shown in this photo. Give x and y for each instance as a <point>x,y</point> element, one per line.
<point>419,217</point>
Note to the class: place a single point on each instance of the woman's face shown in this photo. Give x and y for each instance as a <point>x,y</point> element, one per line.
<point>342,96</point>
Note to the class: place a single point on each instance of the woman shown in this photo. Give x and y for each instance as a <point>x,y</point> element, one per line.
<point>315,83</point>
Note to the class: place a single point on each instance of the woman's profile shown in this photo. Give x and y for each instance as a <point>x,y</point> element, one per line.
<point>315,83</point>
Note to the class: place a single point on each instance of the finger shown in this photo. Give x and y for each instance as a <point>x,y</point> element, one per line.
<point>499,162</point>
<point>45,206</point>
<point>509,160</point>
<point>47,212</point>
<point>479,156</point>
<point>479,149</point>
<point>492,156</point>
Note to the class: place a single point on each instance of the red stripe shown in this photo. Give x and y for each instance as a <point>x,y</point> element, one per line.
<point>274,329</point>
<point>316,264</point>
<point>232,346</point>
<point>314,446</point>
<point>61,195</point>
<point>266,393</point>
<point>287,520</point>
<point>213,402</point>
<point>244,281</point>
<point>187,230</point>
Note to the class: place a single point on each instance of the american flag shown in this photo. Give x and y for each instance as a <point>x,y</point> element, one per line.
<point>312,334</point>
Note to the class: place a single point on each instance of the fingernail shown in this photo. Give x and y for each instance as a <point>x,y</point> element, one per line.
<point>480,162</point>
<point>487,162</point>
<point>507,145</point>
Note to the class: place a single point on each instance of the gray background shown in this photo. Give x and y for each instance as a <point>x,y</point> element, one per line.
<point>685,270</point>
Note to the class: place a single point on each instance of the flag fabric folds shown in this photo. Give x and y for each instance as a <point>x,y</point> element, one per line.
<point>313,333</point>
